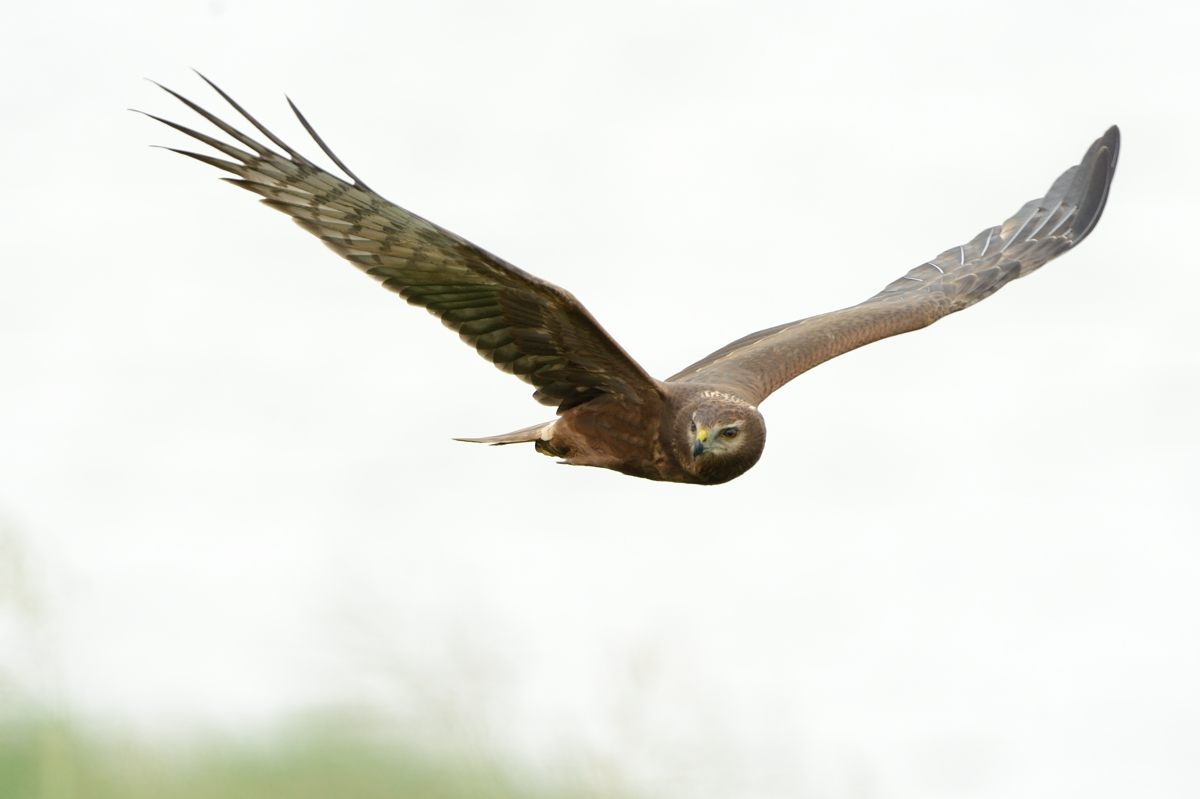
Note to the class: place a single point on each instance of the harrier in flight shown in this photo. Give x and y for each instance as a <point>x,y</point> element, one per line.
<point>700,425</point>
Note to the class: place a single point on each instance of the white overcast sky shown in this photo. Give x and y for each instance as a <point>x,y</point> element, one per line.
<point>967,565</point>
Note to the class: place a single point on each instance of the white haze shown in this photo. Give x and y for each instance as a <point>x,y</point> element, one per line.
<point>966,566</point>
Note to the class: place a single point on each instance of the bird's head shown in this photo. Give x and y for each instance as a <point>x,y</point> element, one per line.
<point>724,435</point>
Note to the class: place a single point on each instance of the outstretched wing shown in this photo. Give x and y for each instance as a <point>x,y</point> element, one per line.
<point>756,365</point>
<point>524,325</point>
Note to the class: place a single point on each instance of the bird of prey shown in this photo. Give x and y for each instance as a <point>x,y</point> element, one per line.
<point>702,424</point>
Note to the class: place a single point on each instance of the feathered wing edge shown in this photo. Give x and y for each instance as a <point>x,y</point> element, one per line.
<point>760,363</point>
<point>524,325</point>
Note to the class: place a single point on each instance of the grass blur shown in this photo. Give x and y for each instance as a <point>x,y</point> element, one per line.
<point>44,755</point>
<point>46,759</point>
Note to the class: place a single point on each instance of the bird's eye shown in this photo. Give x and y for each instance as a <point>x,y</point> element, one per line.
<point>730,432</point>
<point>692,427</point>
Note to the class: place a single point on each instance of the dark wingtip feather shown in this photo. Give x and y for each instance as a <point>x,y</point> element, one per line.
<point>1089,190</point>
<point>219,163</point>
<point>325,147</point>
<point>278,142</point>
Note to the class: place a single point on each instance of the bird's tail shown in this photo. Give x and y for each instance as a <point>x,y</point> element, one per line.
<point>538,432</point>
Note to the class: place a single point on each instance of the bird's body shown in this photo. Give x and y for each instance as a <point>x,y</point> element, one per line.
<point>659,442</point>
<point>701,425</point>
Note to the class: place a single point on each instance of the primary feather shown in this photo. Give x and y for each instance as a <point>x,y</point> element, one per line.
<point>526,326</point>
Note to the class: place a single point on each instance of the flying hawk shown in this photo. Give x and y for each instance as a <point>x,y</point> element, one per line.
<point>700,425</point>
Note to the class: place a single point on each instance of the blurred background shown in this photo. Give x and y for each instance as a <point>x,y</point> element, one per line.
<point>241,556</point>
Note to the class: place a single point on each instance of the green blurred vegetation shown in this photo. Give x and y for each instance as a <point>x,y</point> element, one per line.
<point>45,759</point>
<point>330,755</point>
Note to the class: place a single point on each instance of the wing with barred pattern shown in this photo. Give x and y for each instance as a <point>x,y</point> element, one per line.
<point>522,324</point>
<point>760,363</point>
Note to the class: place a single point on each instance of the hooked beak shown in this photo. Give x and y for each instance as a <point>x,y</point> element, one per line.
<point>701,440</point>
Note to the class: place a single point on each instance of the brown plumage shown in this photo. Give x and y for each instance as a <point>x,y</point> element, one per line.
<point>698,426</point>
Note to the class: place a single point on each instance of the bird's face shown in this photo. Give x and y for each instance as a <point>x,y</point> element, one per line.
<point>725,439</point>
<point>714,436</point>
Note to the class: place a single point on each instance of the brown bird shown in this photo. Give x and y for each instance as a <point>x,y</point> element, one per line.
<point>700,425</point>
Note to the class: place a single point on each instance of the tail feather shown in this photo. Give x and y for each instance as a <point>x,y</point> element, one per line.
<point>525,434</point>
